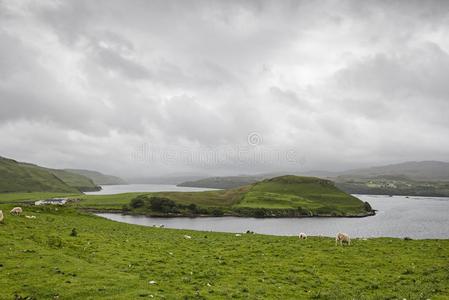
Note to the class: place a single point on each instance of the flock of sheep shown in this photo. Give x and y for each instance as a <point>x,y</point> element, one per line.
<point>341,238</point>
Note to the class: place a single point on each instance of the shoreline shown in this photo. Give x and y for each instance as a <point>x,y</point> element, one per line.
<point>169,216</point>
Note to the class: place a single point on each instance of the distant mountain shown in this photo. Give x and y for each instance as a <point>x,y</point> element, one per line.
<point>25,177</point>
<point>414,170</point>
<point>420,171</point>
<point>97,177</point>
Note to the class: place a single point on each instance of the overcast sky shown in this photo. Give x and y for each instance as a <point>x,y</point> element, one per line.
<point>146,88</point>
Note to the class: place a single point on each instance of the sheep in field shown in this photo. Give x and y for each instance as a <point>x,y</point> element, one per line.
<point>16,211</point>
<point>302,236</point>
<point>1,216</point>
<point>342,238</point>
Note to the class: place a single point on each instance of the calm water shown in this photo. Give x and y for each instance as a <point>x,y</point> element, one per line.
<point>415,217</point>
<point>127,188</point>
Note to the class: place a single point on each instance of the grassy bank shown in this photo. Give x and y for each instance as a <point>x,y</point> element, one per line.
<point>40,259</point>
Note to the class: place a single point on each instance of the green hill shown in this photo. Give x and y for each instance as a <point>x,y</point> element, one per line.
<point>285,196</point>
<point>97,177</point>
<point>318,196</point>
<point>24,177</point>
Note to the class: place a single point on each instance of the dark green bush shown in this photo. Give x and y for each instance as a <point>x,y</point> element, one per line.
<point>164,205</point>
<point>138,201</point>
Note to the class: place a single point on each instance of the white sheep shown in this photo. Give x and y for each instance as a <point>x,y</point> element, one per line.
<point>1,216</point>
<point>16,211</point>
<point>302,236</point>
<point>342,238</point>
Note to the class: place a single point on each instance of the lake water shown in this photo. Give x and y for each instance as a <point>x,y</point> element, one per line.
<point>128,188</point>
<point>398,216</point>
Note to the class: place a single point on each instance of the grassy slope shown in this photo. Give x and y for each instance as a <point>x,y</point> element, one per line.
<point>110,260</point>
<point>19,177</point>
<point>23,177</point>
<point>97,177</point>
<point>77,181</point>
<point>295,191</point>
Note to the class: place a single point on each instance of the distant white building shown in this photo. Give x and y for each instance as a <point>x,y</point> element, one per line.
<point>53,201</point>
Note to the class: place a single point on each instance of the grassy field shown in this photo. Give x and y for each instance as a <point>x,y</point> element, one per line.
<point>39,259</point>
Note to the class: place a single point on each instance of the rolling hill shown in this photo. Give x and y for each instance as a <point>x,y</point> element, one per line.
<point>97,177</point>
<point>25,177</point>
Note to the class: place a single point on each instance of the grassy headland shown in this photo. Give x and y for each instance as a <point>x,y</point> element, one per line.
<point>42,259</point>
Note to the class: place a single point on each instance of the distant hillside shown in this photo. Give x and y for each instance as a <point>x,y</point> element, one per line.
<point>414,170</point>
<point>81,183</point>
<point>227,182</point>
<point>97,177</point>
<point>25,177</point>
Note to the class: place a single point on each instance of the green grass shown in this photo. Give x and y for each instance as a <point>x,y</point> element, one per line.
<point>110,260</point>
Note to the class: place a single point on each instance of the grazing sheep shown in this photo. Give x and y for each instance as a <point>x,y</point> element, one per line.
<point>16,211</point>
<point>187,237</point>
<point>342,238</point>
<point>1,216</point>
<point>302,236</point>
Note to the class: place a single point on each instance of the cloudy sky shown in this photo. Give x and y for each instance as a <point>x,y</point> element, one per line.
<point>147,88</point>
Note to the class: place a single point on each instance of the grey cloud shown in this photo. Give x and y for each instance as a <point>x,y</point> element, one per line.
<point>95,79</point>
